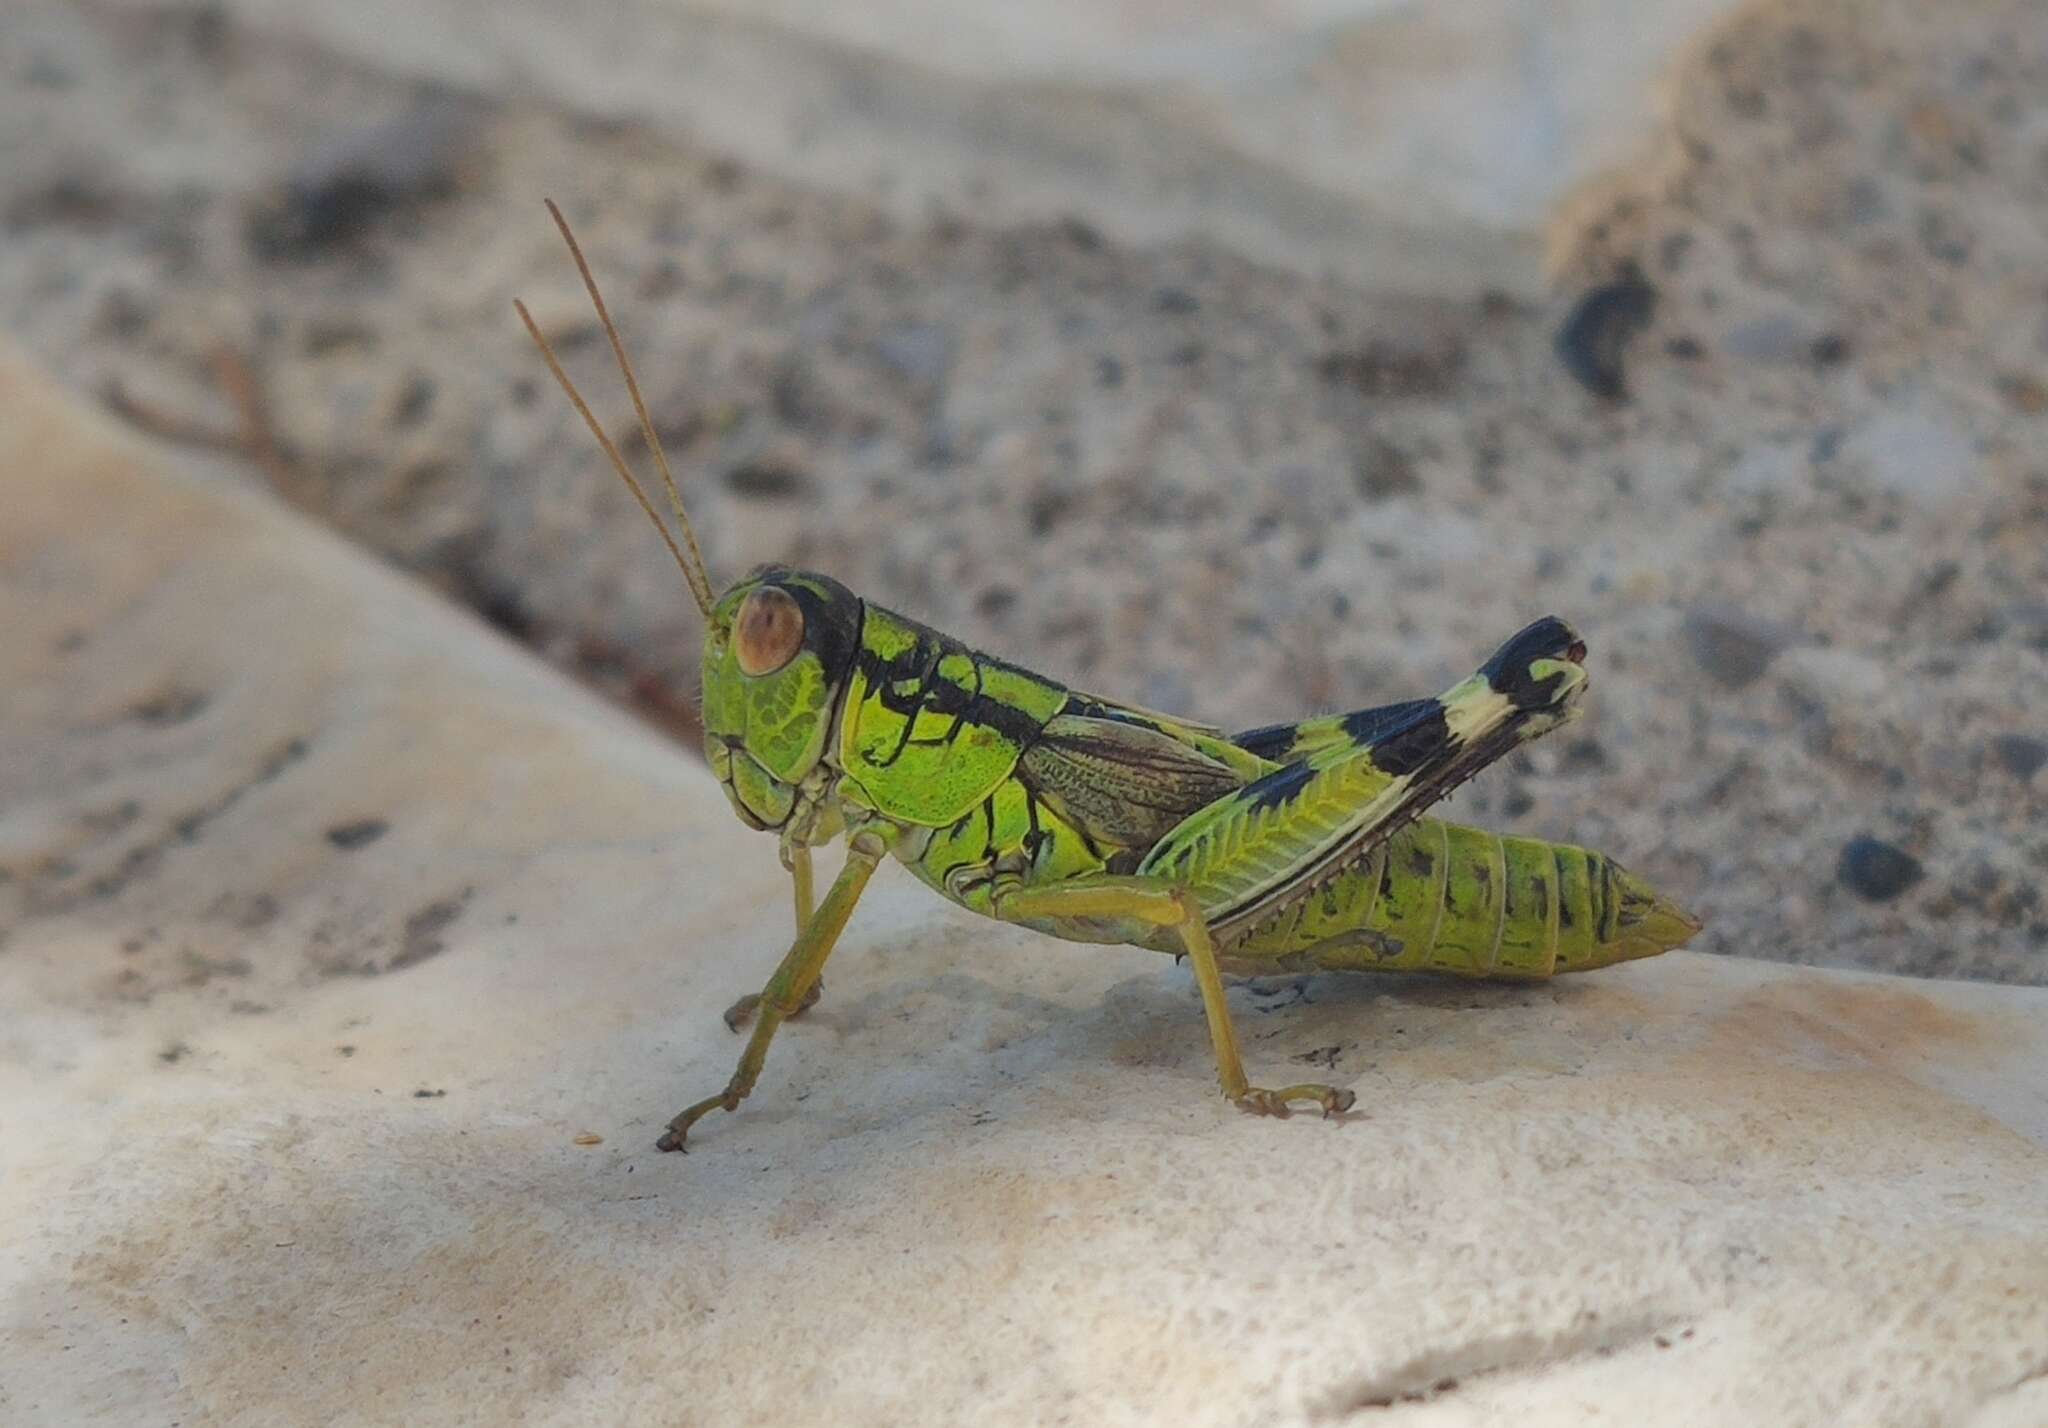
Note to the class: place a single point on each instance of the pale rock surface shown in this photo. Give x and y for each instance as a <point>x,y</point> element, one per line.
<point>336,930</point>
<point>1420,146</point>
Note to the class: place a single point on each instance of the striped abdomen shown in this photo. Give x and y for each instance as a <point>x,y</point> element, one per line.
<point>1439,897</point>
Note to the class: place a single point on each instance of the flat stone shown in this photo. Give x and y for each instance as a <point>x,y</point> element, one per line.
<point>301,1132</point>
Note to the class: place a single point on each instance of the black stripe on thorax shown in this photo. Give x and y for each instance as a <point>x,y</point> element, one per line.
<point>937,694</point>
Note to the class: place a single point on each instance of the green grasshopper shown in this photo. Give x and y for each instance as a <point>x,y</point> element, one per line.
<point>1290,848</point>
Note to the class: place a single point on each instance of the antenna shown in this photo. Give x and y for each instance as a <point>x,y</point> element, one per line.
<point>692,566</point>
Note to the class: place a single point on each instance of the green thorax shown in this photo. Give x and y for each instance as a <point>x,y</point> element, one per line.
<point>928,727</point>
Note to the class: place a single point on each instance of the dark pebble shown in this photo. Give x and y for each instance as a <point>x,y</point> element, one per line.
<point>2022,754</point>
<point>347,184</point>
<point>1733,646</point>
<point>1382,470</point>
<point>767,478</point>
<point>1080,234</point>
<point>916,351</point>
<point>360,834</point>
<point>1594,340</point>
<point>1829,350</point>
<point>415,400</point>
<point>1583,756</point>
<point>1874,869</point>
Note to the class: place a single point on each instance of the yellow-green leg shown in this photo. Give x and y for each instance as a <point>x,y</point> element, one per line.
<point>790,985</point>
<point>742,1011</point>
<point>1165,906</point>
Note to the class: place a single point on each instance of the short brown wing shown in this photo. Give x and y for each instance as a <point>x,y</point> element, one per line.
<point>1122,784</point>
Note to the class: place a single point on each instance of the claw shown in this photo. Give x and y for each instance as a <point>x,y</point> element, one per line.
<point>678,1131</point>
<point>1262,1102</point>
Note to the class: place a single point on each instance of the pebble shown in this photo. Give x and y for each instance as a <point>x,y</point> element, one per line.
<point>1840,682</point>
<point>916,351</point>
<point>1594,340</point>
<point>1778,338</point>
<point>1767,466</point>
<point>1382,470</point>
<point>344,185</point>
<point>1787,339</point>
<point>1913,455</point>
<point>2022,754</point>
<point>1732,645</point>
<point>1874,869</point>
<point>359,834</point>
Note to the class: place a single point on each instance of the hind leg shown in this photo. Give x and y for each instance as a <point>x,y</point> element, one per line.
<point>1508,672</point>
<point>1162,905</point>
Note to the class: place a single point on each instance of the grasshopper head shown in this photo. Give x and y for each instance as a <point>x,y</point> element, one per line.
<point>778,648</point>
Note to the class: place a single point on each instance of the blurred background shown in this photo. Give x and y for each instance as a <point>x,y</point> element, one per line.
<point>1243,360</point>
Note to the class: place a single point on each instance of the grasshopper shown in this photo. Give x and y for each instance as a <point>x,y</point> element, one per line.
<point>1289,848</point>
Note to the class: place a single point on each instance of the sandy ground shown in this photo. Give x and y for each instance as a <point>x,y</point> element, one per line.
<point>1775,448</point>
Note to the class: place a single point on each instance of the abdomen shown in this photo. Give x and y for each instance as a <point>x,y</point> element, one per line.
<point>1440,897</point>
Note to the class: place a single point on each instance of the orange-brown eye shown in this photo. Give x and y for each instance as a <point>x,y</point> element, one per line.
<point>768,632</point>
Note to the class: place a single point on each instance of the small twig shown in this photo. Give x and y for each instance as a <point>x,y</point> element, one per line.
<point>253,438</point>
<point>258,438</point>
<point>169,425</point>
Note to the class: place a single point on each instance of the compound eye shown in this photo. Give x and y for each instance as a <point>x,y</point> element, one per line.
<point>768,632</point>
